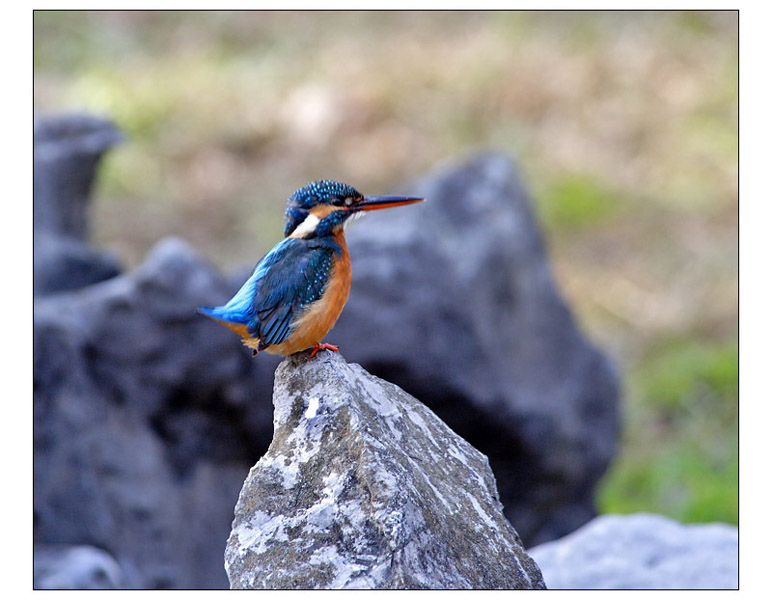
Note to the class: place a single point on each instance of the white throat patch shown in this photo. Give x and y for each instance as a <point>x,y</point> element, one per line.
<point>306,228</point>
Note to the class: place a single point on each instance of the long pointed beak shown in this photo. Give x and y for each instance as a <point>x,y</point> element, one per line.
<point>379,202</point>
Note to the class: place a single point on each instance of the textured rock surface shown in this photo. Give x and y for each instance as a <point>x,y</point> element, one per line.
<point>364,487</point>
<point>145,421</point>
<point>453,300</point>
<point>641,551</point>
<point>76,568</point>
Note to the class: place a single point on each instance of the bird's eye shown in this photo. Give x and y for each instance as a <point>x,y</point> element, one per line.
<point>338,201</point>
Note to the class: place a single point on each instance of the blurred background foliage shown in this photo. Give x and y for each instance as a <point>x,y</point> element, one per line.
<point>623,124</point>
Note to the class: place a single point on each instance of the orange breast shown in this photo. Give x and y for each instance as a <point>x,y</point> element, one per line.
<point>322,315</point>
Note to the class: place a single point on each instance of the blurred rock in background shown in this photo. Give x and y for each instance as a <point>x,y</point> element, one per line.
<point>68,149</point>
<point>65,567</point>
<point>147,418</point>
<point>642,551</point>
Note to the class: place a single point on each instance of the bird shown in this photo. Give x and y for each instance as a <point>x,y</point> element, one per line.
<point>297,291</point>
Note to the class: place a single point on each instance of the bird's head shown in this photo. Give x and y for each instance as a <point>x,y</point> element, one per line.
<point>322,207</point>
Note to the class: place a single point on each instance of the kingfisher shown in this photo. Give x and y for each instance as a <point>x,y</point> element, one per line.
<point>297,291</point>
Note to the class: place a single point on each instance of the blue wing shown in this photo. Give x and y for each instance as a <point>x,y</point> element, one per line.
<point>291,276</point>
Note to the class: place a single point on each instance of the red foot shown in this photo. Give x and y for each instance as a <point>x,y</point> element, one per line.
<point>318,347</point>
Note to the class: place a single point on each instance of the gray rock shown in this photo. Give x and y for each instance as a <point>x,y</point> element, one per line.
<point>145,421</point>
<point>364,487</point>
<point>67,151</point>
<point>641,551</point>
<point>76,568</point>
<point>453,300</point>
<point>63,263</point>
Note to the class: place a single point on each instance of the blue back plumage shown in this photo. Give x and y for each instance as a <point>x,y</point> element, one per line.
<point>239,309</point>
<point>291,276</point>
<point>290,286</point>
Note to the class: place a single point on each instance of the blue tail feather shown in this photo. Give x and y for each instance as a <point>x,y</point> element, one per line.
<point>221,313</point>
<point>239,308</point>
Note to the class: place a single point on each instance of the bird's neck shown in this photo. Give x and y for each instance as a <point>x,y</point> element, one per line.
<point>343,263</point>
<point>340,241</point>
<point>335,241</point>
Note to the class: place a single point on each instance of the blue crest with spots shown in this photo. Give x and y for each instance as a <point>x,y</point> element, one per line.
<point>324,191</point>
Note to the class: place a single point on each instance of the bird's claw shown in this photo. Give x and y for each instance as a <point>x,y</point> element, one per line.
<point>318,347</point>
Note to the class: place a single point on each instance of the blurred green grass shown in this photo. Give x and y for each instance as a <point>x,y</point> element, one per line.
<point>624,125</point>
<point>683,396</point>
